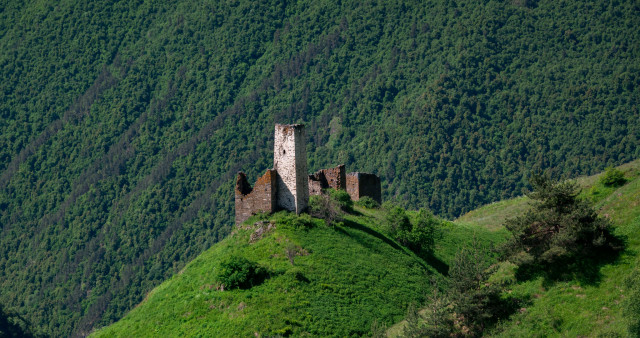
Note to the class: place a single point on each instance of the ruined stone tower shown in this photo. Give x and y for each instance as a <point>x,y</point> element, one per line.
<point>290,163</point>
<point>287,186</point>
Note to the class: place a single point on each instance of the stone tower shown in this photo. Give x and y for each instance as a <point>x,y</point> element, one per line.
<point>290,163</point>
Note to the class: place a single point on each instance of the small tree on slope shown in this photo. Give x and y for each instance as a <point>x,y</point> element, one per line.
<point>559,227</point>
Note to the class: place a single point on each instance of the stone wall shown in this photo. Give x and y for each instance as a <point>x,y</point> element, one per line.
<point>262,197</point>
<point>364,184</point>
<point>290,163</point>
<point>287,186</point>
<point>335,178</point>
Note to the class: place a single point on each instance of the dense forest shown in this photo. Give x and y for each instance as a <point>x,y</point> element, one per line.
<point>124,123</point>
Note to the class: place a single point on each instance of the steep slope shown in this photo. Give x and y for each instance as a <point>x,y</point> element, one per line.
<point>342,279</point>
<point>579,307</point>
<point>123,123</point>
<point>588,308</point>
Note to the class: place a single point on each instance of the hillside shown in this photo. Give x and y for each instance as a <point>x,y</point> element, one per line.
<point>342,279</point>
<point>123,123</point>
<point>594,306</point>
<point>576,306</point>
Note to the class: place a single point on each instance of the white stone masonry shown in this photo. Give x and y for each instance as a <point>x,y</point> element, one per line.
<point>290,162</point>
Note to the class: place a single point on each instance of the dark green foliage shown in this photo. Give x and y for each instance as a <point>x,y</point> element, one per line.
<point>436,315</point>
<point>397,221</point>
<point>469,305</point>
<point>476,303</point>
<point>326,208</point>
<point>418,234</point>
<point>239,272</point>
<point>123,124</point>
<point>378,330</point>
<point>612,177</point>
<point>341,198</point>
<point>13,325</point>
<point>414,326</point>
<point>367,202</point>
<point>424,231</point>
<point>559,229</point>
<point>632,303</point>
<point>330,205</point>
<point>287,219</point>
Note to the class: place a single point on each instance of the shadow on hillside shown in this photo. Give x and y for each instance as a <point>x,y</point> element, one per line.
<point>584,269</point>
<point>372,232</point>
<point>436,263</point>
<point>429,258</point>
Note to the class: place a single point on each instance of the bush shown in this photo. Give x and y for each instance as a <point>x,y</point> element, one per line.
<point>419,235</point>
<point>470,304</point>
<point>330,205</point>
<point>239,272</point>
<point>367,202</point>
<point>289,219</point>
<point>342,198</point>
<point>323,207</point>
<point>397,222</point>
<point>559,228</point>
<point>612,177</point>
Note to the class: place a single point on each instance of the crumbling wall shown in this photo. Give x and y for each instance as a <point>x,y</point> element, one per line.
<point>290,163</point>
<point>262,197</point>
<point>335,178</point>
<point>317,182</point>
<point>364,184</point>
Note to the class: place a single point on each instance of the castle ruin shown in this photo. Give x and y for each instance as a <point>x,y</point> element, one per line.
<point>288,186</point>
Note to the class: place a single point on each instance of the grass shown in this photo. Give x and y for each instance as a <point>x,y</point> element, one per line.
<point>572,308</point>
<point>345,278</point>
<point>493,216</point>
<point>348,276</point>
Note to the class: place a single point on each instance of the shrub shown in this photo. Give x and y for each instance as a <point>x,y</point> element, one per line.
<point>423,232</point>
<point>367,202</point>
<point>288,219</point>
<point>419,235</point>
<point>559,225</point>
<point>612,177</point>
<point>342,198</point>
<point>323,207</point>
<point>239,272</point>
<point>469,306</point>
<point>397,222</point>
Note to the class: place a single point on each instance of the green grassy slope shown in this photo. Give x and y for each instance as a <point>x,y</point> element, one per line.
<point>575,308</point>
<point>123,123</point>
<point>347,277</point>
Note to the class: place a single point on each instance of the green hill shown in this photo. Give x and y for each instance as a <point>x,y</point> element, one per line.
<point>589,308</point>
<point>123,123</point>
<point>575,306</point>
<point>346,277</point>
<point>342,279</point>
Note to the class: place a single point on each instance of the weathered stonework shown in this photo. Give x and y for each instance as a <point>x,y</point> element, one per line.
<point>335,178</point>
<point>262,197</point>
<point>364,184</point>
<point>288,186</point>
<point>290,163</point>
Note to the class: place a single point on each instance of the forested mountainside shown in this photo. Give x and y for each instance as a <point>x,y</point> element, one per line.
<point>123,123</point>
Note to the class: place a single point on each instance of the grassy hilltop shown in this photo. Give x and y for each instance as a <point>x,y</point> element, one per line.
<point>347,277</point>
<point>123,123</point>
<point>342,280</point>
